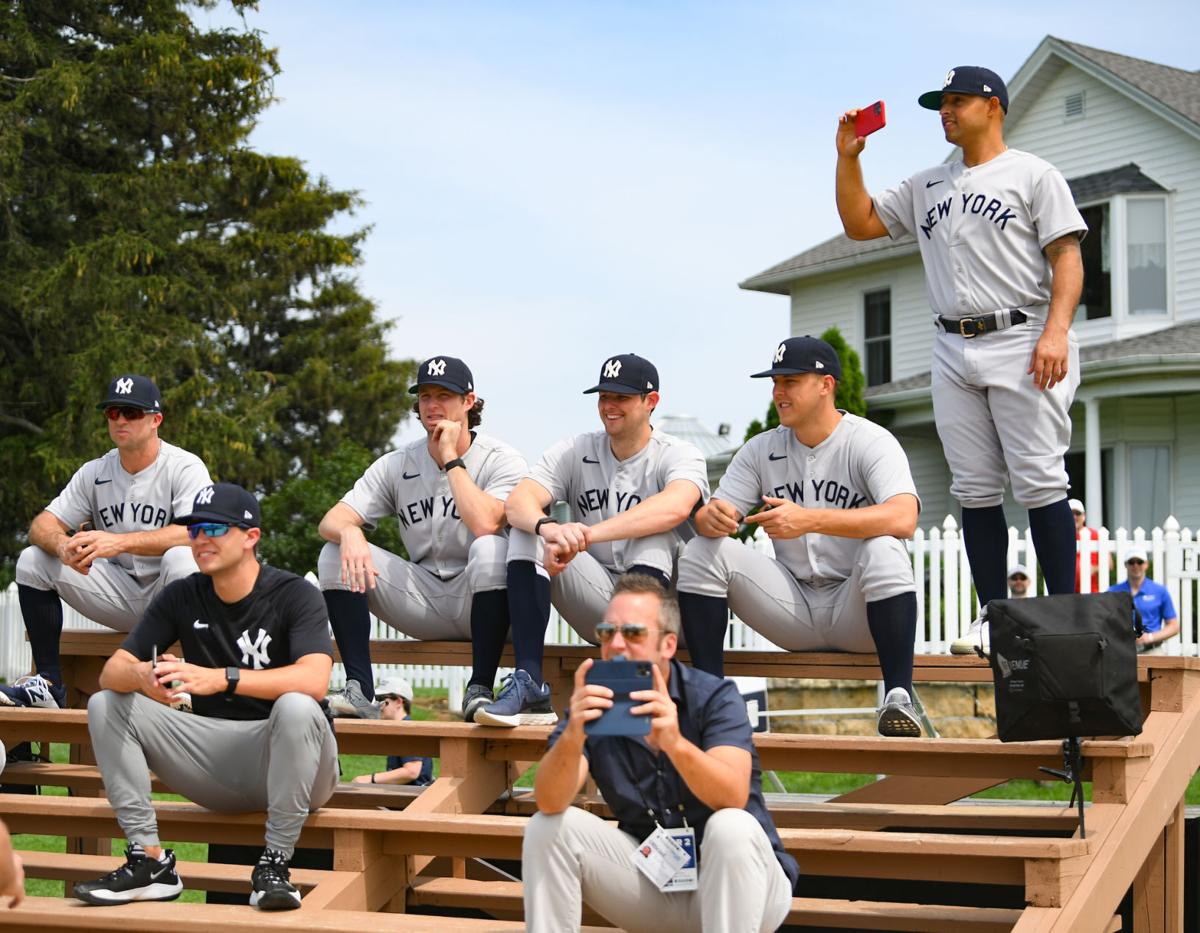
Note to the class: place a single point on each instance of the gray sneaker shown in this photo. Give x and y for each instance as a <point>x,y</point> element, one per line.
<point>477,695</point>
<point>349,702</point>
<point>898,718</point>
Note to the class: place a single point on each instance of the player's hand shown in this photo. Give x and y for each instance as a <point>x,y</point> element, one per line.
<point>588,701</point>
<point>782,519</point>
<point>849,143</point>
<point>176,677</point>
<point>657,704</point>
<point>717,519</point>
<point>555,561</point>
<point>1049,362</point>
<point>88,545</point>
<point>568,539</point>
<point>363,779</point>
<point>148,680</point>
<point>445,439</point>
<point>16,882</point>
<point>358,569</point>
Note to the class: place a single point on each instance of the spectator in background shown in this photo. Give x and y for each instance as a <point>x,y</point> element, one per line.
<point>1083,532</point>
<point>1018,581</point>
<point>1151,600</point>
<point>395,698</point>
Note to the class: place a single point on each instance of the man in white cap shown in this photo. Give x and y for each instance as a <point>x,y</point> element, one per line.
<point>395,698</point>
<point>1082,533</point>
<point>1018,581</point>
<point>1151,600</point>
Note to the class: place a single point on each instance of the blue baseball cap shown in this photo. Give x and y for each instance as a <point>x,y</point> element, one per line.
<point>445,371</point>
<point>968,79</point>
<point>134,391</point>
<point>226,503</point>
<point>803,355</point>
<point>626,374</point>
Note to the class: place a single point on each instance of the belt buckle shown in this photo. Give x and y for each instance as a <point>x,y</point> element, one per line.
<point>975,323</point>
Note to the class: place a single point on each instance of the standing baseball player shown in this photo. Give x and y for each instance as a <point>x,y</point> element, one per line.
<point>448,491</point>
<point>106,545</point>
<point>838,498</point>
<point>630,489</point>
<point>999,236</point>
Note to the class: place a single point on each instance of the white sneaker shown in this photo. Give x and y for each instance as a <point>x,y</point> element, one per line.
<point>975,641</point>
<point>897,717</point>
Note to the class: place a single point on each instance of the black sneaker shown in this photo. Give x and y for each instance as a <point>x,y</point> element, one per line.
<point>271,881</point>
<point>141,878</point>
<point>477,695</point>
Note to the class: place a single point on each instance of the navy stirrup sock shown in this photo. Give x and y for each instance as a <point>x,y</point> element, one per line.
<point>489,628</point>
<point>985,534</point>
<point>1052,528</point>
<point>893,624</point>
<point>350,618</point>
<point>529,614</point>
<point>651,572</point>
<point>41,611</point>
<point>705,619</point>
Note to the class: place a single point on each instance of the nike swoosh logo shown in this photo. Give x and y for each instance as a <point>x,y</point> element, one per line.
<point>776,456</point>
<point>413,476</point>
<point>155,875</point>
<point>586,460</point>
<point>930,184</point>
<point>101,482</point>
<point>199,624</point>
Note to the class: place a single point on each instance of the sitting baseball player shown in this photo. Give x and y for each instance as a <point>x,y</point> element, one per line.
<point>448,490</point>
<point>693,783</point>
<point>630,490</point>
<point>838,499</point>
<point>106,546</point>
<point>395,698</point>
<point>258,657</point>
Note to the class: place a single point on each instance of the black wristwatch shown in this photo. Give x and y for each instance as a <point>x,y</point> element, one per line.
<point>232,676</point>
<point>451,464</point>
<point>537,528</point>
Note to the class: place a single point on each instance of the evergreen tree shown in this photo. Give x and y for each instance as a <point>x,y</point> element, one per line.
<point>139,232</point>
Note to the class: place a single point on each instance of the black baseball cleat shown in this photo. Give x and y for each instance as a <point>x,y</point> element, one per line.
<point>141,878</point>
<point>897,717</point>
<point>272,884</point>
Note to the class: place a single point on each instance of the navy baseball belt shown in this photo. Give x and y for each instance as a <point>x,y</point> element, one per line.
<point>983,323</point>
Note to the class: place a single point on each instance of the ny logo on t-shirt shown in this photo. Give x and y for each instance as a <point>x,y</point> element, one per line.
<point>254,653</point>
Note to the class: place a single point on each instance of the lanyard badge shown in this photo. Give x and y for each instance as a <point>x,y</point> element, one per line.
<point>659,857</point>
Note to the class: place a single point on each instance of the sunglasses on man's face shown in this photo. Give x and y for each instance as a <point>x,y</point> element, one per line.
<point>128,412</point>
<point>1019,578</point>
<point>633,633</point>
<point>210,529</point>
<point>1134,560</point>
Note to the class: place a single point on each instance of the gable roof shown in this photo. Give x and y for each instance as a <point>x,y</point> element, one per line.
<point>1100,185</point>
<point>1174,93</point>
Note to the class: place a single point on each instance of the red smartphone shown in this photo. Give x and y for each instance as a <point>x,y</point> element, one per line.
<point>870,118</point>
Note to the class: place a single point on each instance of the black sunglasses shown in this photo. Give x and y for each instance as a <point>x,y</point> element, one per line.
<point>128,412</point>
<point>632,632</point>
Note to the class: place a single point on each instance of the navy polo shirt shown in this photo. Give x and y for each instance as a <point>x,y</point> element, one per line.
<point>1153,603</point>
<point>632,778</point>
<point>425,778</point>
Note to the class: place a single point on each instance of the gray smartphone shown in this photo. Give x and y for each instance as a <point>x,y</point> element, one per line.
<point>622,678</point>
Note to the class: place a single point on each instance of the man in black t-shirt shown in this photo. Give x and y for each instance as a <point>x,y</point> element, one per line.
<point>258,657</point>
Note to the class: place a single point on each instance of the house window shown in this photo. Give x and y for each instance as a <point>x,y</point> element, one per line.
<point>1096,301</point>
<point>877,326</point>
<point>1149,485</point>
<point>1146,246</point>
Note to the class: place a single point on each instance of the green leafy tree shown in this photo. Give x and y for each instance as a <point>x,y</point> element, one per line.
<point>140,232</point>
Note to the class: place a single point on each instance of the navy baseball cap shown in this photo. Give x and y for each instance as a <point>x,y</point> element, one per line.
<point>134,391</point>
<point>803,355</point>
<point>627,374</point>
<point>968,79</point>
<point>445,371</point>
<point>227,503</point>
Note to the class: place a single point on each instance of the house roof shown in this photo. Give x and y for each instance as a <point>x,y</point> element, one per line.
<point>1100,185</point>
<point>1182,340</point>
<point>1176,89</point>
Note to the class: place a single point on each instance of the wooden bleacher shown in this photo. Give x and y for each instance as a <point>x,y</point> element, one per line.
<point>423,852</point>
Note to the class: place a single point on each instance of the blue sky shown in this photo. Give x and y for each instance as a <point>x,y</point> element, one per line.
<point>552,183</point>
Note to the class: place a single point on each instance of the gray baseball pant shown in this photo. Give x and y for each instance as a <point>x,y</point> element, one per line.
<point>582,591</point>
<point>286,764</point>
<point>574,857</point>
<point>798,615</point>
<point>107,593</point>
<point>416,601</point>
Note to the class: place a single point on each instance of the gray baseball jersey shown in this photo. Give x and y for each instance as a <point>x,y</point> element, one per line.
<point>859,464</point>
<point>982,230</point>
<point>583,472</point>
<point>102,492</point>
<point>409,484</point>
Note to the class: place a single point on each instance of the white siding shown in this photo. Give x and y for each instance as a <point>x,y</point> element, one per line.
<point>930,473</point>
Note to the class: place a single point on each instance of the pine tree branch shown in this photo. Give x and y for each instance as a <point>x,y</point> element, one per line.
<point>22,423</point>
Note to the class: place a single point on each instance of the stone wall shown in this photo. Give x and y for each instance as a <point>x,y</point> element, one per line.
<point>958,710</point>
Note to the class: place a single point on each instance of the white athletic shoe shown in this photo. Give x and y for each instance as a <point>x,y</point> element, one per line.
<point>975,641</point>
<point>897,717</point>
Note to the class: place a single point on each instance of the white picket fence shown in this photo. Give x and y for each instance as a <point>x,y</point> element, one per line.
<point>945,600</point>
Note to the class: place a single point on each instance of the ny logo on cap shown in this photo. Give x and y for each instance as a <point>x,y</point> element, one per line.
<point>612,369</point>
<point>205,496</point>
<point>124,386</point>
<point>949,78</point>
<point>436,368</point>
<point>779,353</point>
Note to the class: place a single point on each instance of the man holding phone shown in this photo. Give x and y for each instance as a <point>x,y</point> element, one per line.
<point>692,787</point>
<point>999,237</point>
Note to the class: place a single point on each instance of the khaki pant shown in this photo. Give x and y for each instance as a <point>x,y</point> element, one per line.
<point>574,856</point>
